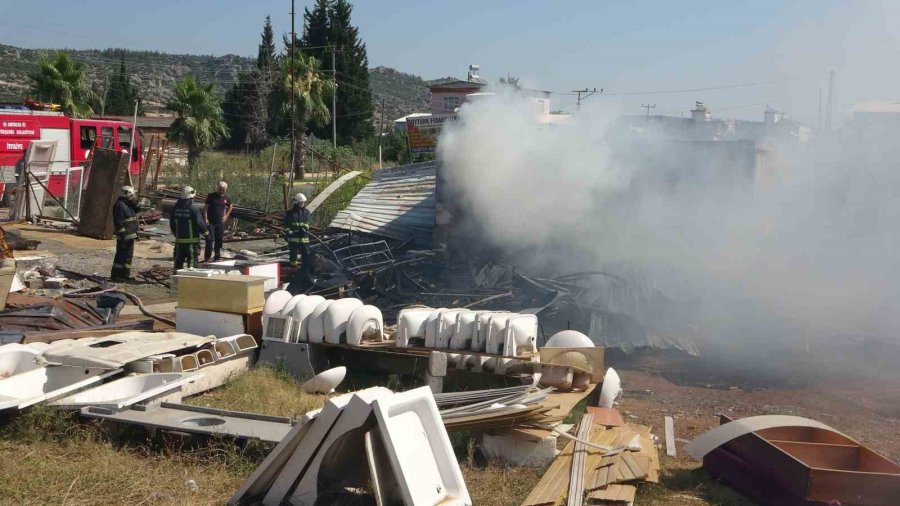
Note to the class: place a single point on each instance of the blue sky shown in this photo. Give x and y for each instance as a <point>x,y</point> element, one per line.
<point>623,47</point>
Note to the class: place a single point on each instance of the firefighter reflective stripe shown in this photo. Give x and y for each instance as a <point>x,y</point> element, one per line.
<point>293,239</point>
<point>130,237</point>
<point>130,218</point>
<point>188,240</point>
<point>304,240</point>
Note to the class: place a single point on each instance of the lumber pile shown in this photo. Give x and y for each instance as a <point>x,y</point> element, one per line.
<point>606,472</point>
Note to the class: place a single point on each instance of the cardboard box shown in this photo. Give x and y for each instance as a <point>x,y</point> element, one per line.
<point>227,294</point>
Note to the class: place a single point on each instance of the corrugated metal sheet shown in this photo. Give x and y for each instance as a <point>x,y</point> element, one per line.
<point>398,203</point>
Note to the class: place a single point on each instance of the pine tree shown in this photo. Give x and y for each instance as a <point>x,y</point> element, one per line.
<point>316,30</point>
<point>234,109</point>
<point>327,27</point>
<point>265,57</point>
<point>248,107</point>
<point>354,98</point>
<point>121,95</point>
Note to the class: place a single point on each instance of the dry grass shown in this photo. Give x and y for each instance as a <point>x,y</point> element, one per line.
<point>51,458</point>
<point>262,390</point>
<point>497,485</point>
<point>59,459</point>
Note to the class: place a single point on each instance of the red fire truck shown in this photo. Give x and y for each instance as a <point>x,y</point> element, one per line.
<point>19,125</point>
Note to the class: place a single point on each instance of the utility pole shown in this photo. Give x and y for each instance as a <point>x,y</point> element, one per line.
<point>105,94</point>
<point>293,91</point>
<point>333,101</point>
<point>819,117</point>
<point>648,107</point>
<point>587,93</point>
<point>381,133</point>
<point>829,106</point>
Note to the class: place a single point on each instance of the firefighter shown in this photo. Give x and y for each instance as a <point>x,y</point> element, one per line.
<point>296,223</point>
<point>188,228</point>
<point>126,226</point>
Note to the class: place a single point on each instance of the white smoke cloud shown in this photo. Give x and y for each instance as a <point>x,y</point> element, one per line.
<point>808,244</point>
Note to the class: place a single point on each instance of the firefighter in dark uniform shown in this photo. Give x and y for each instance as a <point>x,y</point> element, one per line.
<point>296,224</point>
<point>188,228</point>
<point>126,226</point>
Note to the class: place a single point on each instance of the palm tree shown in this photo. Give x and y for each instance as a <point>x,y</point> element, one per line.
<point>199,124</point>
<point>61,81</point>
<point>310,90</point>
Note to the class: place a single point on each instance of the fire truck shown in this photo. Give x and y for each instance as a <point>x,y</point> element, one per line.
<point>21,124</point>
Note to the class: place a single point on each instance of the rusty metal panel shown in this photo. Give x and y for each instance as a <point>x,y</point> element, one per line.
<point>398,203</point>
<point>108,173</point>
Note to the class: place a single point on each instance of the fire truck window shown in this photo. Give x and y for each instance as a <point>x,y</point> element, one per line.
<point>124,138</point>
<point>88,137</point>
<point>106,134</point>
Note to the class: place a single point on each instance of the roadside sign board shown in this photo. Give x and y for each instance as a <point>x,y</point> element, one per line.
<point>423,132</point>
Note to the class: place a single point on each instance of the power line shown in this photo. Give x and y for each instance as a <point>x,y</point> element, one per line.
<point>587,93</point>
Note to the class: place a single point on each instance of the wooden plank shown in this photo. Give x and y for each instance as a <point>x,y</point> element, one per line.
<point>745,478</point>
<point>670,436</point>
<point>853,487</point>
<point>629,469</point>
<point>576,476</point>
<point>649,450</point>
<point>608,417</point>
<point>597,476</point>
<point>564,402</point>
<point>552,486</point>
<point>615,493</point>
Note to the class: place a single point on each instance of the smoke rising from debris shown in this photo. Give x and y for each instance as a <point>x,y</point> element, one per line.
<point>780,240</point>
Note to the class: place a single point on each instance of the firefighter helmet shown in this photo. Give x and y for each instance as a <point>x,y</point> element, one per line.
<point>128,192</point>
<point>299,198</point>
<point>188,192</point>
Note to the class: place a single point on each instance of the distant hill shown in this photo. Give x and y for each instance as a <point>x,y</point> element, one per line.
<point>155,73</point>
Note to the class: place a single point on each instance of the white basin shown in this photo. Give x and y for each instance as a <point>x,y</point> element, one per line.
<point>17,358</point>
<point>419,449</point>
<point>335,319</point>
<point>301,314</point>
<point>364,320</point>
<point>276,301</point>
<point>127,391</point>
<point>316,328</point>
<point>47,384</point>
<point>411,324</point>
<point>291,304</point>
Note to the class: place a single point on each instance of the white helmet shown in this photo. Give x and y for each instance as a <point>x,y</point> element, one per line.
<point>188,192</point>
<point>128,192</point>
<point>299,198</point>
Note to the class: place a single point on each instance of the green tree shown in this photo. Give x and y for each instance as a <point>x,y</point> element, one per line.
<point>354,98</point>
<point>310,90</point>
<point>266,59</point>
<point>235,108</point>
<point>60,80</point>
<point>248,105</point>
<point>121,94</point>
<point>199,124</point>
<point>326,28</point>
<point>316,36</point>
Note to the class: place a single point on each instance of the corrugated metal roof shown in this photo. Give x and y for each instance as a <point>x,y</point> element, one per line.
<point>398,203</point>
